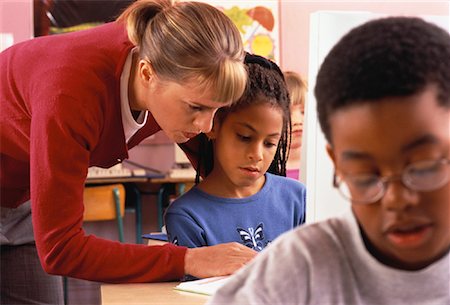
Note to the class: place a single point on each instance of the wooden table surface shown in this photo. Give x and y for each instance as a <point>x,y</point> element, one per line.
<point>149,294</point>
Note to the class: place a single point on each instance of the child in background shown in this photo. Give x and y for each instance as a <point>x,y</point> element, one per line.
<point>383,100</point>
<point>243,198</point>
<point>297,91</point>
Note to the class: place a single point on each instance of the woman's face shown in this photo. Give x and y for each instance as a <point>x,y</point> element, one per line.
<point>181,110</point>
<point>408,229</point>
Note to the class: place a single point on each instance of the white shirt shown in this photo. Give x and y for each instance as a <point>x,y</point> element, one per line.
<point>327,263</point>
<point>130,125</point>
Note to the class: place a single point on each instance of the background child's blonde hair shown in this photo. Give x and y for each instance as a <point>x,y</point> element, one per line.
<point>297,88</point>
<point>189,42</point>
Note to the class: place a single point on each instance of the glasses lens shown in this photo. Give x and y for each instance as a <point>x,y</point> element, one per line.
<point>427,175</point>
<point>361,189</point>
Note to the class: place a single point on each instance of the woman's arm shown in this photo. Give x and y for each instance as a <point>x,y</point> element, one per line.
<point>223,259</point>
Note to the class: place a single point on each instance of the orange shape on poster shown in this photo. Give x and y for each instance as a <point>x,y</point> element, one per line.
<point>263,15</point>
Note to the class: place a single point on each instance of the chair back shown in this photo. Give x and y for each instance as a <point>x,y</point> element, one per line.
<point>100,202</point>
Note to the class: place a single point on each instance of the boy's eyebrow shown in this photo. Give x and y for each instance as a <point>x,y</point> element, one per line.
<point>349,155</point>
<point>254,130</point>
<point>424,140</point>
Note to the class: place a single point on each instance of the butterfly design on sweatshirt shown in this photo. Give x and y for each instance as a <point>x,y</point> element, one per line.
<point>253,237</point>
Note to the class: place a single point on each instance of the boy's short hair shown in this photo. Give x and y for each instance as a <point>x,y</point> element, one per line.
<point>387,57</point>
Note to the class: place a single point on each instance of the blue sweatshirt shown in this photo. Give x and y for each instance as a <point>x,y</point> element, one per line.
<point>199,219</point>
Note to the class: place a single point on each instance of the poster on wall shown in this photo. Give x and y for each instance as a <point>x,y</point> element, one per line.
<point>258,23</point>
<point>63,16</point>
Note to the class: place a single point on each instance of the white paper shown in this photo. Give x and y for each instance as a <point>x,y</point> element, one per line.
<point>206,286</point>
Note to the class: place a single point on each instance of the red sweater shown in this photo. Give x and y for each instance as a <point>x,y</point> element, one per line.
<point>60,113</point>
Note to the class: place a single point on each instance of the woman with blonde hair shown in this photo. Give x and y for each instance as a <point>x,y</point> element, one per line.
<point>84,99</point>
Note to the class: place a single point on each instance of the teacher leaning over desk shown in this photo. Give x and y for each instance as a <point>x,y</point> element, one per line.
<point>84,99</point>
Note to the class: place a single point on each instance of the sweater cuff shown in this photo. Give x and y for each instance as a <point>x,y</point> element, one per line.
<point>178,255</point>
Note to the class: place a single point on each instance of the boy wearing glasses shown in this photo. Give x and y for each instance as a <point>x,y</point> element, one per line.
<point>383,95</point>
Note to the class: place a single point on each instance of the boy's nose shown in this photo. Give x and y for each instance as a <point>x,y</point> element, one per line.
<point>398,196</point>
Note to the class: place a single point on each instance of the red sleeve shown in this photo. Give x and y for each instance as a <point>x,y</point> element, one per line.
<point>61,136</point>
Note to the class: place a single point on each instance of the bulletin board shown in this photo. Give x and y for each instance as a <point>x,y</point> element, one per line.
<point>63,16</point>
<point>258,23</point>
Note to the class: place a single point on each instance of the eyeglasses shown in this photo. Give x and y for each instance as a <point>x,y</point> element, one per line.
<point>423,176</point>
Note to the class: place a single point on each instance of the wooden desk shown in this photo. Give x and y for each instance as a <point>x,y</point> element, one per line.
<point>149,294</point>
<point>116,180</point>
<point>173,180</point>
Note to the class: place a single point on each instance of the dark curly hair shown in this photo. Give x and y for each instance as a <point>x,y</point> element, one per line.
<point>387,57</point>
<point>265,85</point>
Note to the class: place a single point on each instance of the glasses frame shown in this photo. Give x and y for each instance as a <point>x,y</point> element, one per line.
<point>387,179</point>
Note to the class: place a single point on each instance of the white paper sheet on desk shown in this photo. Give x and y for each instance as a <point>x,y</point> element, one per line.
<point>206,286</point>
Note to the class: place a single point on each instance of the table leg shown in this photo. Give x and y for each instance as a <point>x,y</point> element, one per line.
<point>138,207</point>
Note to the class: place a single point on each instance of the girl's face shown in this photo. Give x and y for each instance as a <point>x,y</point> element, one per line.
<point>406,229</point>
<point>245,144</point>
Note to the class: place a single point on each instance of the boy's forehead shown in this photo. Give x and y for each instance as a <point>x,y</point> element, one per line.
<point>391,107</point>
<point>389,124</point>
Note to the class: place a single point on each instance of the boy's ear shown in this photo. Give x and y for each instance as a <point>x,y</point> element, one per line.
<point>331,154</point>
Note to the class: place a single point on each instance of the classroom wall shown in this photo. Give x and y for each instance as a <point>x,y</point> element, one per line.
<point>327,27</point>
<point>295,22</point>
<point>16,17</point>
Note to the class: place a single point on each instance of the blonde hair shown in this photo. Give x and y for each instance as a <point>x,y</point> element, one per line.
<point>297,88</point>
<point>189,42</point>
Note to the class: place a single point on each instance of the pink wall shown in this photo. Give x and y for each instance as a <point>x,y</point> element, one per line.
<point>295,22</point>
<point>16,16</point>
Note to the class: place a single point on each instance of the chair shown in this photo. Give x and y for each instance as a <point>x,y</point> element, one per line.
<point>106,202</point>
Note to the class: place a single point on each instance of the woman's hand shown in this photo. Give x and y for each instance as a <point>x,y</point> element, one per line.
<point>223,259</point>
